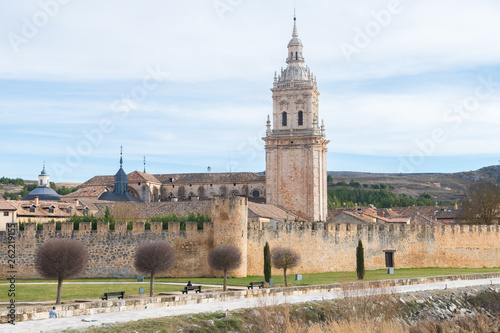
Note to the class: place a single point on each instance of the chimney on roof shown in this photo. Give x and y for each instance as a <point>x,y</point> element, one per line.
<point>76,202</point>
<point>36,201</point>
<point>456,206</point>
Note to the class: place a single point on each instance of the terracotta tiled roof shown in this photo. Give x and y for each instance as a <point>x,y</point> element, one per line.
<point>99,181</point>
<point>180,178</point>
<point>271,212</point>
<point>449,214</point>
<point>89,191</point>
<point>414,210</point>
<point>91,203</point>
<point>399,220</point>
<point>138,176</point>
<point>209,178</point>
<point>361,218</point>
<point>6,206</point>
<point>42,210</point>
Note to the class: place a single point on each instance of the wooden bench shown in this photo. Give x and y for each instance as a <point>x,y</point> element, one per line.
<point>254,284</point>
<point>196,288</point>
<point>119,294</point>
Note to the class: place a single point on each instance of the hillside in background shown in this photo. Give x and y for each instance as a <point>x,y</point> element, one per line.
<point>445,187</point>
<point>22,187</point>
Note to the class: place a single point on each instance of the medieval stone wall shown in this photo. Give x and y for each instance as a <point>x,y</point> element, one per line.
<point>322,248</point>
<point>112,252</point>
<point>334,248</point>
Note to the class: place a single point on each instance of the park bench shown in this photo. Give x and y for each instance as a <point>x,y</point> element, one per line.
<point>196,288</point>
<point>254,284</point>
<point>119,294</point>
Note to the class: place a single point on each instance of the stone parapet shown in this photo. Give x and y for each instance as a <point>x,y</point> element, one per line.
<point>24,313</point>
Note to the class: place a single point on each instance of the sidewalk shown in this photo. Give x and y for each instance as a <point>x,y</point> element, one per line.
<point>58,325</point>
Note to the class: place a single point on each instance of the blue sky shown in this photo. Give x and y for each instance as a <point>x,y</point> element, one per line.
<point>405,86</point>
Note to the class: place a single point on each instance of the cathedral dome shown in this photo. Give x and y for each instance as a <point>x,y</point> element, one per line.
<point>43,193</point>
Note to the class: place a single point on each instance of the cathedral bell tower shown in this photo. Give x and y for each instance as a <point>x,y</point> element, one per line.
<point>295,145</point>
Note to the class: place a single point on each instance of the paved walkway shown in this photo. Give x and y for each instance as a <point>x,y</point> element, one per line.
<point>57,325</point>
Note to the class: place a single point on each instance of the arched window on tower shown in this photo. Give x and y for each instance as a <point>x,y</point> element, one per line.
<point>301,118</point>
<point>296,56</point>
<point>284,120</point>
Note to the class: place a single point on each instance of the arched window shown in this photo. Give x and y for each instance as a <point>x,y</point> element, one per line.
<point>296,56</point>
<point>85,211</point>
<point>32,208</point>
<point>51,210</point>
<point>41,182</point>
<point>284,120</point>
<point>301,118</point>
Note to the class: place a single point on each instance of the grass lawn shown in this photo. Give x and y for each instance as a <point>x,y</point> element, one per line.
<point>48,292</point>
<point>335,277</point>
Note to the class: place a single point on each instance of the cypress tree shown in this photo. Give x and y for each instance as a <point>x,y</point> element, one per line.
<point>360,261</point>
<point>267,262</point>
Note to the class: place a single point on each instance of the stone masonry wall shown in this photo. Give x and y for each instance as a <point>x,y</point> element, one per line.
<point>334,249</point>
<point>111,252</point>
<point>322,248</point>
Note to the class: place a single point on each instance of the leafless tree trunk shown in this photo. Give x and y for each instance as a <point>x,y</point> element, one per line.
<point>225,258</point>
<point>152,258</point>
<point>61,259</point>
<point>283,258</point>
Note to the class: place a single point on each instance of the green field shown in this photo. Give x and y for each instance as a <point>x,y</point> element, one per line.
<point>45,292</point>
<point>48,292</point>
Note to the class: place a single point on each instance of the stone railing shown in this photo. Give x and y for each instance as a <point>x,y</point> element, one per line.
<point>26,313</point>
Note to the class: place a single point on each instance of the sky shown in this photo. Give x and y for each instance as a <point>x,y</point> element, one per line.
<point>406,86</point>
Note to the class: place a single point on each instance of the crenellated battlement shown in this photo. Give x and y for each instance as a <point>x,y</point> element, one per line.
<point>332,228</point>
<point>322,246</point>
<point>104,227</point>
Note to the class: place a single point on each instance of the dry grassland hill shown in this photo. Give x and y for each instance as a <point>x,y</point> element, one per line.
<point>447,187</point>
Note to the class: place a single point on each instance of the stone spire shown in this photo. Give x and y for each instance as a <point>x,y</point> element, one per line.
<point>120,190</point>
<point>121,178</point>
<point>121,157</point>
<point>295,47</point>
<point>144,163</point>
<point>295,33</point>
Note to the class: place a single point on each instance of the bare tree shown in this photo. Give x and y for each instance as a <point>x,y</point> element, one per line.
<point>153,258</point>
<point>481,203</point>
<point>283,258</point>
<point>61,259</point>
<point>225,258</point>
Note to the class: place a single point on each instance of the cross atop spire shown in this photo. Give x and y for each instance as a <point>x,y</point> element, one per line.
<point>121,156</point>
<point>144,163</point>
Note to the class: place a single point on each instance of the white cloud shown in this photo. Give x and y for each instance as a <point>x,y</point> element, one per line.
<point>216,97</point>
